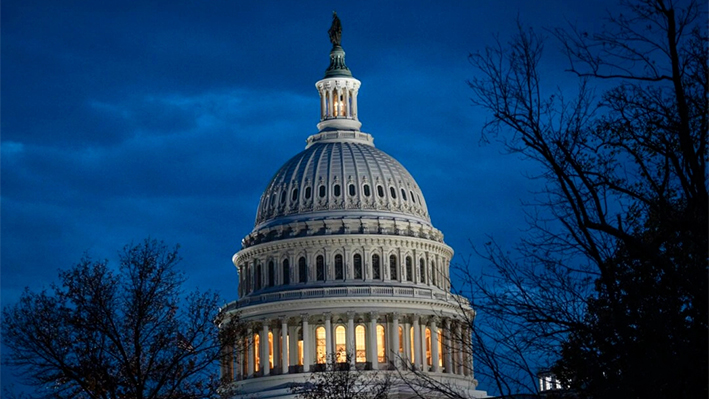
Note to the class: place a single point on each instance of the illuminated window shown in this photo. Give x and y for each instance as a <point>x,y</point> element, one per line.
<point>440,348</point>
<point>358,266</point>
<point>270,349</point>
<point>320,340</point>
<point>428,346</point>
<point>339,268</point>
<point>409,270</point>
<point>411,341</point>
<point>422,270</point>
<point>257,352</point>
<point>286,272</point>
<point>401,340</point>
<point>376,269</point>
<point>360,344</point>
<point>393,269</point>
<point>271,274</point>
<point>341,344</point>
<point>381,344</point>
<point>300,346</point>
<point>320,268</point>
<point>302,270</point>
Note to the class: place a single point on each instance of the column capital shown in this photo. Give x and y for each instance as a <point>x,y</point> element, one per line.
<point>373,316</point>
<point>417,317</point>
<point>434,320</point>
<point>395,316</point>
<point>447,323</point>
<point>304,316</point>
<point>350,315</point>
<point>327,315</point>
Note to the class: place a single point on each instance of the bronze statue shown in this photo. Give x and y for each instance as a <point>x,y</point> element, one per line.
<point>335,31</point>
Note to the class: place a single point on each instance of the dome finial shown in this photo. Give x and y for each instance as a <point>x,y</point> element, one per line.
<point>335,31</point>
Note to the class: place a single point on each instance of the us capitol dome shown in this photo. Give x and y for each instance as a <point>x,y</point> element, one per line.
<point>343,265</point>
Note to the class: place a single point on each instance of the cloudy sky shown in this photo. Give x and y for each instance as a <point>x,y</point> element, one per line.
<point>126,120</point>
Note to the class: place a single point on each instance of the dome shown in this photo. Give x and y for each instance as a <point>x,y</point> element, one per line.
<point>341,175</point>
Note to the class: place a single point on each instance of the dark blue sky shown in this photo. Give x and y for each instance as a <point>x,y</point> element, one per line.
<point>123,120</point>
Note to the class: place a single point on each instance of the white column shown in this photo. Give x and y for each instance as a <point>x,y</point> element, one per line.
<point>448,347</point>
<point>407,344</point>
<point>373,340</point>
<point>434,346</point>
<point>328,339</point>
<point>322,104</point>
<point>306,343</point>
<point>417,343</point>
<point>351,347</point>
<point>265,366</point>
<point>395,339</point>
<point>293,346</point>
<point>424,358</point>
<point>284,345</point>
<point>460,345</point>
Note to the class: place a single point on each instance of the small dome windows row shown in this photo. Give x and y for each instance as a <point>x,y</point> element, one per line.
<point>351,191</point>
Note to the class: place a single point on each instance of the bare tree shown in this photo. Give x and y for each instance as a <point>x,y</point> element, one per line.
<point>341,381</point>
<point>106,333</point>
<point>616,257</point>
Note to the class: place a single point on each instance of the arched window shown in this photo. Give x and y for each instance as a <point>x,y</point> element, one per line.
<point>428,346</point>
<point>392,190</point>
<point>380,191</point>
<point>286,272</point>
<point>409,270</point>
<point>358,266</point>
<point>360,344</point>
<point>376,268</point>
<point>320,268</point>
<point>422,270</point>
<point>401,341</point>
<point>300,346</point>
<point>336,190</point>
<point>320,340</point>
<point>403,194</point>
<point>341,344</point>
<point>412,196</point>
<point>257,352</point>
<point>257,277</point>
<point>271,274</point>
<point>339,268</point>
<point>440,348</point>
<point>283,196</point>
<point>367,193</point>
<point>352,189</point>
<point>412,347</point>
<point>381,344</point>
<point>302,270</point>
<point>308,192</point>
<point>393,268</point>
<point>322,192</point>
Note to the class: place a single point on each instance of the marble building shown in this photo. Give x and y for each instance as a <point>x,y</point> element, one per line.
<point>344,259</point>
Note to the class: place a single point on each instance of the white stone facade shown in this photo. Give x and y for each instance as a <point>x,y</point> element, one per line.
<point>343,259</point>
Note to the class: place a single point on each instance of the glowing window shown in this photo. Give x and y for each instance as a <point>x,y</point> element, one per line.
<point>270,349</point>
<point>352,189</point>
<point>320,341</point>
<point>367,193</point>
<point>360,344</point>
<point>393,268</point>
<point>411,341</point>
<point>339,268</point>
<point>401,340</point>
<point>381,344</point>
<point>341,344</point>
<point>286,272</point>
<point>300,346</point>
<point>428,346</point>
<point>302,270</point>
<point>320,268</point>
<point>257,352</point>
<point>440,348</point>
<point>376,269</point>
<point>409,270</point>
<point>358,266</point>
